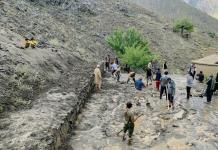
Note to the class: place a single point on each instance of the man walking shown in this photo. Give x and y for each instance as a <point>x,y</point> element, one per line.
<point>129,122</point>
<point>131,75</point>
<point>171,93</point>
<point>157,79</point>
<point>164,83</point>
<point>189,84</point>
<point>98,78</point>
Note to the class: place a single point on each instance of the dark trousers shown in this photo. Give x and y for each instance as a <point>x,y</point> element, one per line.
<point>162,90</point>
<point>118,76</point>
<point>188,91</point>
<point>209,98</point>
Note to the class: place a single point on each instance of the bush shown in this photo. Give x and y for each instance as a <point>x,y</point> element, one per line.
<point>211,34</point>
<point>131,46</point>
<point>183,25</point>
<point>136,57</point>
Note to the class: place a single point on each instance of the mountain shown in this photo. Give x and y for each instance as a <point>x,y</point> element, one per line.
<point>177,9</point>
<point>208,6</point>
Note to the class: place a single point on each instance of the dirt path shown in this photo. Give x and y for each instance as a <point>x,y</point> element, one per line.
<point>192,125</point>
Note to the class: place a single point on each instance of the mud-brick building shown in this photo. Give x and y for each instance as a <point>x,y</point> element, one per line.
<point>208,64</point>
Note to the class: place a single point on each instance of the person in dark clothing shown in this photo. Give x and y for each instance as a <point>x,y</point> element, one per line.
<point>117,61</point>
<point>165,67</point>
<point>107,62</point>
<point>210,88</point>
<point>139,85</point>
<point>164,83</point>
<point>200,77</point>
<point>157,79</point>
<point>127,68</point>
<point>216,84</point>
<point>149,75</point>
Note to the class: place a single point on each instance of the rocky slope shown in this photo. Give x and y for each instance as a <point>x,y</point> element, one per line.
<point>72,37</point>
<point>208,6</point>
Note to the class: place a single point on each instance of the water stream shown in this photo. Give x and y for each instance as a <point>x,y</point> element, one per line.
<point>192,125</point>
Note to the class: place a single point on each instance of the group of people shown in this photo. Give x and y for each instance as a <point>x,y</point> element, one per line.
<point>164,84</point>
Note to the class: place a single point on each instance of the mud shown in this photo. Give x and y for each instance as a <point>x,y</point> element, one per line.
<point>191,126</point>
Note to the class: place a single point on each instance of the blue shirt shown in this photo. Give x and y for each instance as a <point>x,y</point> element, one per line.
<point>139,84</point>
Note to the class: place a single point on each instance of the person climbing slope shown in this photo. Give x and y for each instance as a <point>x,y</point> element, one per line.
<point>129,122</point>
<point>98,78</point>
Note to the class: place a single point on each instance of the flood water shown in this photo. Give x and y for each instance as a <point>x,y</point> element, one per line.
<point>193,125</point>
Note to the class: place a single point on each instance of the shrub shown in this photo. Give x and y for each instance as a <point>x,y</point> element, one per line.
<point>131,46</point>
<point>183,25</point>
<point>211,34</point>
<point>136,57</point>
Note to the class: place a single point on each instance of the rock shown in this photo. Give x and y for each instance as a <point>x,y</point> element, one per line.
<point>180,115</point>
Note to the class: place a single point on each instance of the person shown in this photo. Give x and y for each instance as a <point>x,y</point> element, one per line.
<point>30,43</point>
<point>127,68</point>
<point>149,75</point>
<point>117,73</point>
<point>139,85</point>
<point>210,88</point>
<point>216,84</point>
<point>117,61</point>
<point>157,79</point>
<point>98,77</point>
<point>107,62</point>
<point>129,122</point>
<point>165,67</point>
<point>171,93</point>
<point>200,77</point>
<point>114,67</point>
<point>164,83</point>
<point>192,70</point>
<point>150,65</point>
<point>131,74</point>
<point>189,84</point>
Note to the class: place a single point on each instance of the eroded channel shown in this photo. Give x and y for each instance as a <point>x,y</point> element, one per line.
<point>193,125</point>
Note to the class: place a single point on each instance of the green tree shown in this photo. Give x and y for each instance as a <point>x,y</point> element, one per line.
<point>131,47</point>
<point>183,25</point>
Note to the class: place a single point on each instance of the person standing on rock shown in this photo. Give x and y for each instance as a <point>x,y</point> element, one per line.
<point>189,84</point>
<point>210,88</point>
<point>118,73</point>
<point>192,70</point>
<point>157,79</point>
<point>164,83</point>
<point>129,122</point>
<point>171,93</point>
<point>98,78</point>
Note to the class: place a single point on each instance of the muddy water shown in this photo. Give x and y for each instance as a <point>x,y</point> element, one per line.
<point>192,125</point>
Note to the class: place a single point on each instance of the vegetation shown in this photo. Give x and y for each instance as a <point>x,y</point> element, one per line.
<point>131,47</point>
<point>182,26</point>
<point>211,34</point>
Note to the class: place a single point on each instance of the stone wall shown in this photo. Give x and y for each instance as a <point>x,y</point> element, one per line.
<point>60,135</point>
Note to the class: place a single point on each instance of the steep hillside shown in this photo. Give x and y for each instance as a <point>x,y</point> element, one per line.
<point>176,9</point>
<point>208,6</point>
<point>72,37</point>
